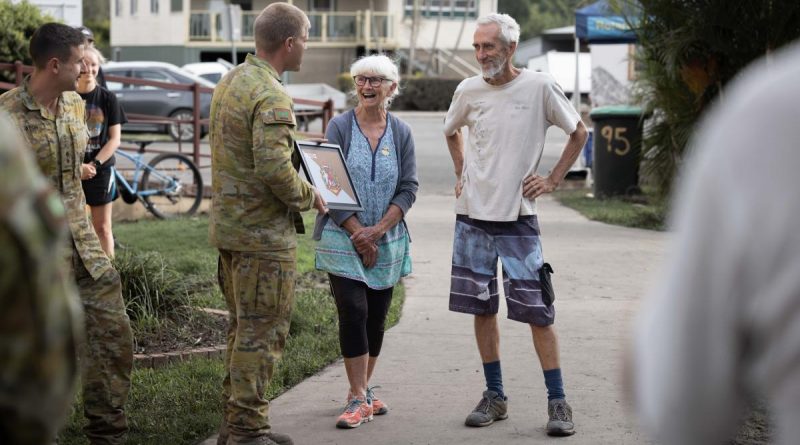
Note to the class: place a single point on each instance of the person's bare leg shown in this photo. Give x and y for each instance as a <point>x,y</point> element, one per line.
<point>371,367</point>
<point>101,220</point>
<point>487,335</point>
<point>356,369</point>
<point>545,342</point>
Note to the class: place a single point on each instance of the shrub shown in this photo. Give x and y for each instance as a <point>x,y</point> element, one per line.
<point>425,94</point>
<point>18,22</point>
<point>151,290</point>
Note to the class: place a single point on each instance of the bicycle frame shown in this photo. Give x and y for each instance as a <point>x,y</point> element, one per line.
<point>140,167</point>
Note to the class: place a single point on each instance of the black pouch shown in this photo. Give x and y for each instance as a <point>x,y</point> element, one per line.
<point>548,296</point>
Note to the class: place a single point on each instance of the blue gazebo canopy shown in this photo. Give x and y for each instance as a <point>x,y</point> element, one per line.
<point>598,23</point>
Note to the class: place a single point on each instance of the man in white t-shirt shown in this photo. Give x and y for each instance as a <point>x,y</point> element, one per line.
<point>507,111</point>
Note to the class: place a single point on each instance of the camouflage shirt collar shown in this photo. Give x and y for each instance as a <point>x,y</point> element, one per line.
<point>30,102</point>
<point>252,59</point>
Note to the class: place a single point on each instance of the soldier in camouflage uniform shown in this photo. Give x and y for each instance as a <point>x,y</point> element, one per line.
<point>41,324</point>
<point>256,191</point>
<point>51,116</point>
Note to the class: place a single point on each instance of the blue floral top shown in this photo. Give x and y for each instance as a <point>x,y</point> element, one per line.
<point>374,175</point>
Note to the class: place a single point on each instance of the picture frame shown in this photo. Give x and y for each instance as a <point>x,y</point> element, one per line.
<point>326,169</point>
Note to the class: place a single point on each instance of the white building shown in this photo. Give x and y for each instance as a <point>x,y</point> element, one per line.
<point>185,31</point>
<point>68,11</point>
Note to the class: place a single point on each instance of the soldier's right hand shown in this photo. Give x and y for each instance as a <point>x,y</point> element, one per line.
<point>319,203</point>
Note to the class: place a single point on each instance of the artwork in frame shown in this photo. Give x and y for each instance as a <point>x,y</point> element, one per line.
<point>324,166</point>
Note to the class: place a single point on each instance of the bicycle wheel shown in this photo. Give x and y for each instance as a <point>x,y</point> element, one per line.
<point>171,186</point>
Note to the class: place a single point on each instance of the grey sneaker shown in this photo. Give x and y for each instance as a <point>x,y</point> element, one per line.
<point>560,423</point>
<point>491,407</point>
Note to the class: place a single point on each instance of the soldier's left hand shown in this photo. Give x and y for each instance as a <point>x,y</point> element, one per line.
<point>534,186</point>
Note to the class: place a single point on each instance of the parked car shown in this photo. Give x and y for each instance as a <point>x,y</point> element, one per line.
<point>211,71</point>
<point>156,101</point>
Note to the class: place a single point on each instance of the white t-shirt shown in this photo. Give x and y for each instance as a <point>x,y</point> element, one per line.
<point>507,127</point>
<point>724,321</point>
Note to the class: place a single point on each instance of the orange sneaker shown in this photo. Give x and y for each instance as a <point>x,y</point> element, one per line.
<point>358,411</point>
<point>378,407</point>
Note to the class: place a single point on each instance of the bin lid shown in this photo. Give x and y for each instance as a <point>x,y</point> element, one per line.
<point>616,111</point>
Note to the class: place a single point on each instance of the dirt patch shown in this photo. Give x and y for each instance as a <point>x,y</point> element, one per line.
<point>193,328</point>
<point>190,328</point>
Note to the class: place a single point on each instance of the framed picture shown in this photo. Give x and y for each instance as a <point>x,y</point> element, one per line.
<point>324,166</point>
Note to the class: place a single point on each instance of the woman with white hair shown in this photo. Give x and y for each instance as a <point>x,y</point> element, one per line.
<point>366,253</point>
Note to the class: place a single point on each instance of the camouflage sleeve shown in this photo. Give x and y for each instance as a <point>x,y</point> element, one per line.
<point>273,144</point>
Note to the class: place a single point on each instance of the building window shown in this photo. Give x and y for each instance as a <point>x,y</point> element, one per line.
<point>321,5</point>
<point>154,6</point>
<point>176,5</point>
<point>134,6</point>
<point>118,7</point>
<point>443,8</point>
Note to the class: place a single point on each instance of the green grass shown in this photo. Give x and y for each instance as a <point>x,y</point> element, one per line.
<point>642,211</point>
<point>181,403</point>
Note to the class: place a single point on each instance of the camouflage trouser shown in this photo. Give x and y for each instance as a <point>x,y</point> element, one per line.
<point>106,370</point>
<point>259,293</point>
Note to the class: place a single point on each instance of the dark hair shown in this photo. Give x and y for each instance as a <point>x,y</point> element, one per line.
<point>276,23</point>
<point>54,40</point>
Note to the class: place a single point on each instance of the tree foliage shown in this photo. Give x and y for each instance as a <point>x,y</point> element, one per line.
<point>535,16</point>
<point>18,22</point>
<point>689,51</point>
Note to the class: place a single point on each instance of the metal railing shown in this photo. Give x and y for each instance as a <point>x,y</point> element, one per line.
<point>325,111</point>
<point>356,27</point>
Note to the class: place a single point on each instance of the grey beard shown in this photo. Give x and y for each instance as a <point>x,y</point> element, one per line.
<point>494,71</point>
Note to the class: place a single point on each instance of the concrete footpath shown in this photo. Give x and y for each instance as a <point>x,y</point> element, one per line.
<point>430,372</point>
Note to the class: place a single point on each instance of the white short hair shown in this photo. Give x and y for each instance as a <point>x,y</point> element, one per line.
<point>509,28</point>
<point>381,65</point>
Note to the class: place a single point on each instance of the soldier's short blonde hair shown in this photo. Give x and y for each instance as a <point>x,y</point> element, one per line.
<point>276,23</point>
<point>381,65</point>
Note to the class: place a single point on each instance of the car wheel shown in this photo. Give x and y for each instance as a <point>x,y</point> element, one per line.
<point>181,132</point>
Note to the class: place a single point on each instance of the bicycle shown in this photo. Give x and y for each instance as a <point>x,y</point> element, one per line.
<point>170,185</point>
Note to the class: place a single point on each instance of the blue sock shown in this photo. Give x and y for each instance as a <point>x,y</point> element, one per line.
<point>555,387</point>
<point>494,378</point>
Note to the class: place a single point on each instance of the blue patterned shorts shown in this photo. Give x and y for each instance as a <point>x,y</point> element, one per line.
<point>473,283</point>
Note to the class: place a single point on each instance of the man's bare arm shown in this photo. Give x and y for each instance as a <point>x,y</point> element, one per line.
<point>455,143</point>
<point>535,185</point>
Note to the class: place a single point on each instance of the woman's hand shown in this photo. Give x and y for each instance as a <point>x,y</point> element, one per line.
<point>369,256</point>
<point>87,171</point>
<point>364,237</point>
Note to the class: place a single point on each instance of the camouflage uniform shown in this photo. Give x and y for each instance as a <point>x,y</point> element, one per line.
<point>256,190</point>
<point>41,324</point>
<point>59,142</point>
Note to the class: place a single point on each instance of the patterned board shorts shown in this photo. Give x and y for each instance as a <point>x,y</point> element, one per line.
<point>473,282</point>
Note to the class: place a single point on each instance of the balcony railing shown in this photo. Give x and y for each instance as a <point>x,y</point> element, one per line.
<point>357,27</point>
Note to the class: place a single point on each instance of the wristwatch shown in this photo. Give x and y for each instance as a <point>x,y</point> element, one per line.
<point>97,163</point>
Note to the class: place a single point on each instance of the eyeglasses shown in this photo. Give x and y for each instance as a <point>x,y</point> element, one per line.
<point>375,82</point>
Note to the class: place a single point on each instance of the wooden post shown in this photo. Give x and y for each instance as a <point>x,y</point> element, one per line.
<point>327,114</point>
<point>19,76</point>
<point>196,122</point>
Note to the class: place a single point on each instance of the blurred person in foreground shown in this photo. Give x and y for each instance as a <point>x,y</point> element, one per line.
<point>41,324</point>
<point>366,253</point>
<point>724,323</point>
<point>508,111</point>
<point>104,119</point>
<point>50,115</point>
<point>256,194</point>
